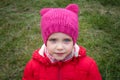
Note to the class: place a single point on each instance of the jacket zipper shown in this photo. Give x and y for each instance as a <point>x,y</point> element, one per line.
<point>59,77</point>
<point>59,71</point>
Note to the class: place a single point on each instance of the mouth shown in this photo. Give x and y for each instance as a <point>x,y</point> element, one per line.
<point>60,54</point>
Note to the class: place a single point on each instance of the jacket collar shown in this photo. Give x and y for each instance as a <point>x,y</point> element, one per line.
<point>40,55</point>
<point>74,53</point>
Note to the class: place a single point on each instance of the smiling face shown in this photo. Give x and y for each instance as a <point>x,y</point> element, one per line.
<point>59,45</point>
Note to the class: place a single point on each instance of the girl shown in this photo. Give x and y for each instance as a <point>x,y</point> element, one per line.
<point>60,58</point>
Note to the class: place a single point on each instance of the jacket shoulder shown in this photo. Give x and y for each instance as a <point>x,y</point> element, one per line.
<point>85,62</point>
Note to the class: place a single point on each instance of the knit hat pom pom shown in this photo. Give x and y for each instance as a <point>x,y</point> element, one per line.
<point>73,7</point>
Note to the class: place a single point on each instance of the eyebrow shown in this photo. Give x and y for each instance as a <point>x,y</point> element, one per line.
<point>52,38</point>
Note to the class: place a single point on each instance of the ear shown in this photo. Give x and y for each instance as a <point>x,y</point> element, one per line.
<point>73,7</point>
<point>44,10</point>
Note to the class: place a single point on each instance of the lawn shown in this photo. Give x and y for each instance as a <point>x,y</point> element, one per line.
<point>99,22</point>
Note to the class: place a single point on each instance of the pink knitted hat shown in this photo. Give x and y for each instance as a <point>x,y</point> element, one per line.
<point>63,20</point>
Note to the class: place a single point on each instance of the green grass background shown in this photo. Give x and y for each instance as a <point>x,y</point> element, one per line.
<point>99,22</point>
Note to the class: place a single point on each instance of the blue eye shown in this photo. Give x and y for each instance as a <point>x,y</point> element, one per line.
<point>67,40</point>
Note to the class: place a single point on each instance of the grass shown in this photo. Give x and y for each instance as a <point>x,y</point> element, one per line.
<point>20,34</point>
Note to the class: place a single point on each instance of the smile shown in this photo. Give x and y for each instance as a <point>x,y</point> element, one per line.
<point>60,54</point>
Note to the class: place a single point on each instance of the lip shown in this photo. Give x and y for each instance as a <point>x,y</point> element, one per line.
<point>60,54</point>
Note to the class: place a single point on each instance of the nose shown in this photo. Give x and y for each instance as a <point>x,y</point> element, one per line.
<point>59,46</point>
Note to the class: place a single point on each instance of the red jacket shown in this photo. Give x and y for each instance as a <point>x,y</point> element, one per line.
<point>77,68</point>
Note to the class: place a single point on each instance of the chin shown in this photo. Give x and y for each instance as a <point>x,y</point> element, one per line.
<point>59,59</point>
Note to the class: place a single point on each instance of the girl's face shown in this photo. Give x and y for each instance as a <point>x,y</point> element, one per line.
<point>59,45</point>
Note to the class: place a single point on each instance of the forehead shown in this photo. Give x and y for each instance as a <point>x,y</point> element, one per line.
<point>59,35</point>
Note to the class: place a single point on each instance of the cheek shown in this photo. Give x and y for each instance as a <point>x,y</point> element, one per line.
<point>49,46</point>
<point>50,49</point>
<point>69,48</point>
